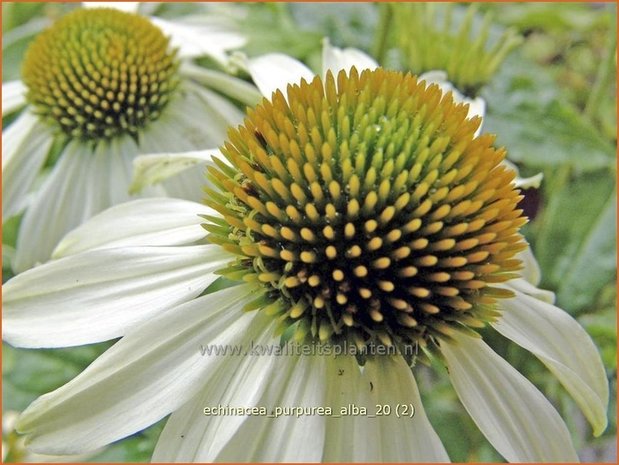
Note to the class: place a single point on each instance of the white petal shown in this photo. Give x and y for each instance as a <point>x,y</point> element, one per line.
<point>129,7</point>
<point>15,135</point>
<point>154,168</point>
<point>335,59</point>
<point>525,183</point>
<point>99,295</point>
<point>530,268</point>
<point>275,71</point>
<point>77,188</point>
<point>122,151</point>
<point>192,436</point>
<point>222,82</point>
<point>297,382</point>
<point>225,111</point>
<point>197,39</point>
<point>13,96</point>
<point>144,222</point>
<point>525,287</point>
<point>385,381</point>
<point>183,127</point>
<point>564,347</point>
<point>25,146</point>
<point>402,439</point>
<point>149,373</point>
<point>513,415</point>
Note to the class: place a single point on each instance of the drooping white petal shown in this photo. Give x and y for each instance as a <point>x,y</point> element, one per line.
<point>297,382</point>
<point>152,371</point>
<point>508,409</point>
<point>477,106</point>
<point>209,37</point>
<point>192,436</point>
<point>394,437</point>
<point>564,347</point>
<point>129,7</point>
<point>154,168</point>
<point>77,188</point>
<point>13,96</point>
<point>525,287</point>
<point>25,146</point>
<point>335,59</point>
<point>144,222</point>
<point>98,295</point>
<point>275,71</point>
<point>403,439</point>
<point>346,436</point>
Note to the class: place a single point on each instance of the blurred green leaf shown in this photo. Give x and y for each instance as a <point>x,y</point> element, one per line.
<point>602,326</point>
<point>593,264</point>
<point>575,240</point>
<point>537,126</point>
<point>27,374</point>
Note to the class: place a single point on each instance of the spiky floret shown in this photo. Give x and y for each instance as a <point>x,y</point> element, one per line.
<point>367,211</point>
<point>97,73</point>
<point>429,41</point>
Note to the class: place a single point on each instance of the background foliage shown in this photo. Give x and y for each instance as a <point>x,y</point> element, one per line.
<point>552,104</point>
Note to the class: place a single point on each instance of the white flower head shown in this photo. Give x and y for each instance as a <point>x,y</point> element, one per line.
<point>100,86</point>
<point>359,210</point>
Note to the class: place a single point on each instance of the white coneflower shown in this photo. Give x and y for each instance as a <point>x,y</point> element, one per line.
<point>360,211</point>
<point>100,86</point>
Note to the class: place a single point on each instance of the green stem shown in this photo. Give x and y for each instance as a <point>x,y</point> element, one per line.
<point>602,80</point>
<point>379,50</point>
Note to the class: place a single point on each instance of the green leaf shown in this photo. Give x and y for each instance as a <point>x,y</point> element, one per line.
<point>27,374</point>
<point>575,240</point>
<point>593,264</point>
<point>602,326</point>
<point>539,129</point>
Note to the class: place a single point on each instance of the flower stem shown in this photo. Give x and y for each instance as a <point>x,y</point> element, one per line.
<point>602,80</point>
<point>379,48</point>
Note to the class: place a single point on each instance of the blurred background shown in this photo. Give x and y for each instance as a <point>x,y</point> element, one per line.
<point>552,103</point>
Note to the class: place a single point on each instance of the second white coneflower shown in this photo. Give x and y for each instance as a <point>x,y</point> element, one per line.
<point>100,86</point>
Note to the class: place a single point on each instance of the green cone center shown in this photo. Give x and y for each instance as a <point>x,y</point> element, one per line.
<point>98,73</point>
